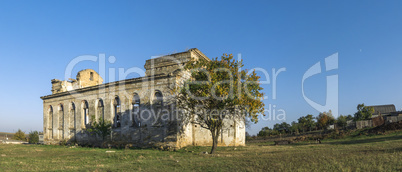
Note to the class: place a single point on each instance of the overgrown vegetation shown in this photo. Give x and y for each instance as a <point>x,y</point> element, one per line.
<point>101,127</point>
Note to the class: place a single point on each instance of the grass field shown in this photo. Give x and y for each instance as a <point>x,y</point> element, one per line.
<point>363,153</point>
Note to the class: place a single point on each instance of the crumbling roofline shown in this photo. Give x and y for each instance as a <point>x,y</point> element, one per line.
<point>110,84</point>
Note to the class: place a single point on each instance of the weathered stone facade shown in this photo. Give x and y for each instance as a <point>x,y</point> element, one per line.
<point>141,109</point>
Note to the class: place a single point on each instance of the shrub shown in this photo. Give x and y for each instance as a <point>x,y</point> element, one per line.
<point>102,128</point>
<point>19,135</point>
<point>63,143</point>
<point>33,137</point>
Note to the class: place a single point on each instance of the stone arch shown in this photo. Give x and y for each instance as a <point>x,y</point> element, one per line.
<point>85,113</point>
<point>72,120</point>
<point>159,112</point>
<point>136,108</point>
<point>61,116</point>
<point>116,104</point>
<point>158,98</point>
<point>100,109</point>
<point>50,122</point>
<point>72,116</point>
<point>61,121</point>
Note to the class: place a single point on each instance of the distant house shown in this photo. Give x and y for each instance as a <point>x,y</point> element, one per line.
<point>388,112</point>
<point>382,114</point>
<point>383,110</point>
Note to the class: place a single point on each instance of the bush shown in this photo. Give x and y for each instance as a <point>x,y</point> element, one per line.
<point>102,128</point>
<point>33,137</point>
<point>63,143</point>
<point>19,135</point>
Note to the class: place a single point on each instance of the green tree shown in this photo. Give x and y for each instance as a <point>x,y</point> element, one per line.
<point>33,137</point>
<point>19,135</point>
<point>282,127</point>
<point>102,128</point>
<point>302,122</point>
<point>363,112</point>
<point>266,131</point>
<point>325,119</point>
<point>349,117</point>
<point>310,123</point>
<point>307,122</point>
<point>219,89</point>
<point>342,121</point>
<point>295,127</point>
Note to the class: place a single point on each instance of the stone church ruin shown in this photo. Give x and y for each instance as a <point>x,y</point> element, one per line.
<point>141,109</point>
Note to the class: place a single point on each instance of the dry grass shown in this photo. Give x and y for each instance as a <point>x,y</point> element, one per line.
<point>364,153</point>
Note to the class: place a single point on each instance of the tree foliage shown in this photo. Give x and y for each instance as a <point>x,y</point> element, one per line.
<point>342,121</point>
<point>266,131</point>
<point>349,117</point>
<point>363,112</point>
<point>219,89</point>
<point>307,122</point>
<point>33,137</point>
<point>19,135</point>
<point>282,127</point>
<point>325,119</point>
<point>295,127</point>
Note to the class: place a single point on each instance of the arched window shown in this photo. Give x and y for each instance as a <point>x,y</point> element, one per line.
<point>117,112</point>
<point>158,99</point>
<point>100,110</point>
<point>50,122</point>
<point>61,121</point>
<point>61,117</point>
<point>50,114</point>
<point>72,116</point>
<point>72,120</point>
<point>136,109</point>
<point>85,113</point>
<point>91,76</point>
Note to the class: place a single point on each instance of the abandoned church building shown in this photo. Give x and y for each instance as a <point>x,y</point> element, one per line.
<point>139,109</point>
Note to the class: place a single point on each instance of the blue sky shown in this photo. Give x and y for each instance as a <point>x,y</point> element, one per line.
<point>39,39</point>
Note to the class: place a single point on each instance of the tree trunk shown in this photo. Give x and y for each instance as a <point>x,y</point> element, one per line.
<point>215,135</point>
